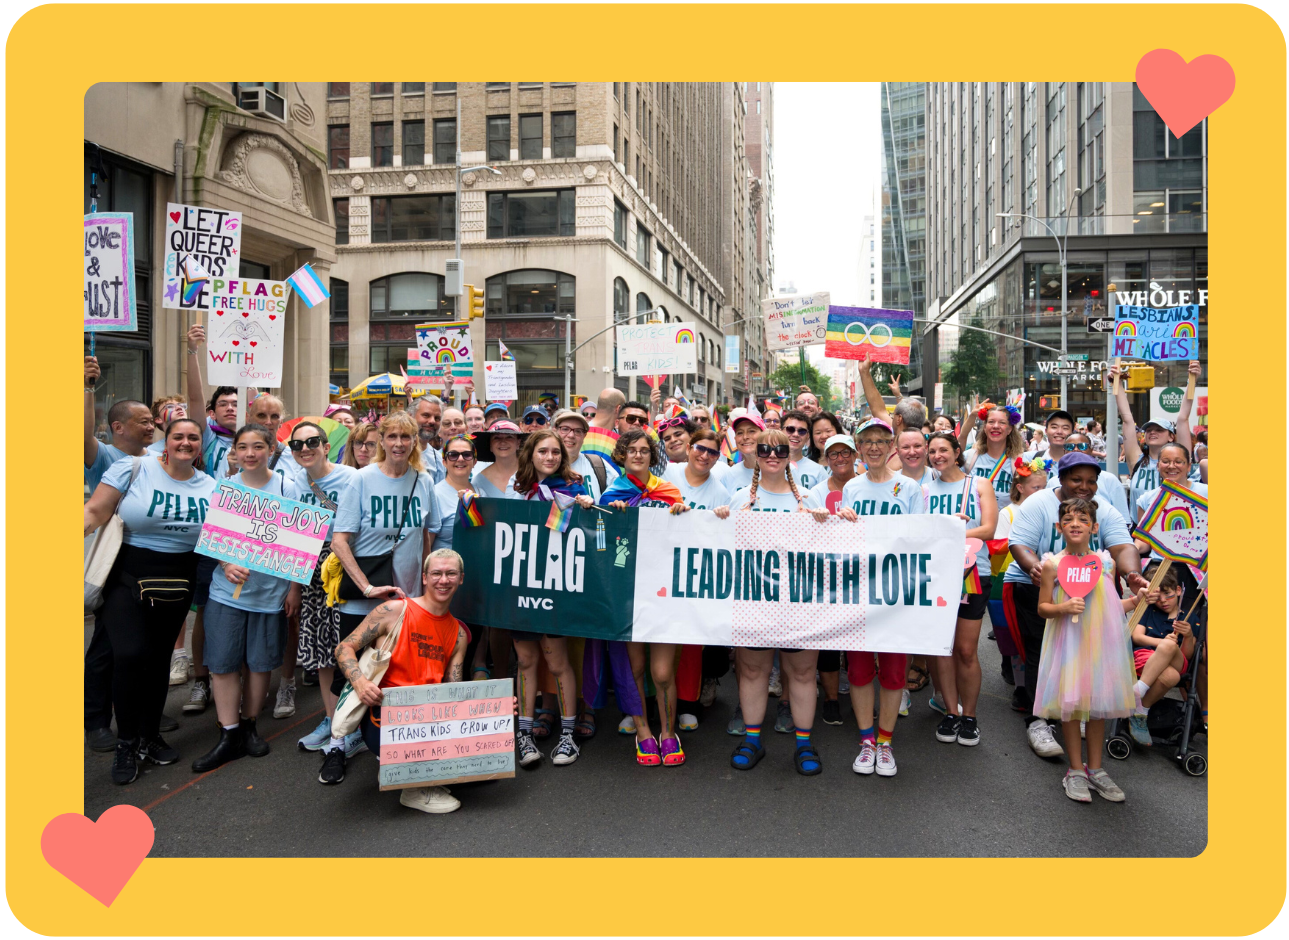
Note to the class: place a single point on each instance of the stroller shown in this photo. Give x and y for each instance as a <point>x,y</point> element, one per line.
<point>1172,723</point>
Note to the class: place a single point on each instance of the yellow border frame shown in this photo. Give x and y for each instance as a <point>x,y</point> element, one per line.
<point>56,49</point>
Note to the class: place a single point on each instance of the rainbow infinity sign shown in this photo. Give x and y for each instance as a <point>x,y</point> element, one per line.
<point>869,336</point>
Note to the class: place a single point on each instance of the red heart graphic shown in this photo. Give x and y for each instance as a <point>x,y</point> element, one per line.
<point>941,602</point>
<point>219,313</point>
<point>174,217</point>
<point>662,592</point>
<point>1184,93</point>
<point>488,368</point>
<point>1079,575</point>
<point>98,857</point>
<point>253,343</point>
<point>272,316</point>
<point>246,314</point>
<point>234,342</point>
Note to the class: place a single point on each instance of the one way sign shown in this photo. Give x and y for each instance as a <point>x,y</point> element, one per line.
<point>1100,325</point>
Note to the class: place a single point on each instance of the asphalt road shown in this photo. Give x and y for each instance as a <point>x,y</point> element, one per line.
<point>997,799</point>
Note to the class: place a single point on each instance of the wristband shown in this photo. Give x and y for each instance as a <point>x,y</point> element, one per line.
<point>367,591</point>
<point>191,351</point>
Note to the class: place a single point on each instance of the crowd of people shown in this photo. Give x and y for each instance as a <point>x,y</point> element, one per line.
<point>1031,496</point>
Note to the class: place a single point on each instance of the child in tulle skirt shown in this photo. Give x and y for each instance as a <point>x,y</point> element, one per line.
<point>1085,673</point>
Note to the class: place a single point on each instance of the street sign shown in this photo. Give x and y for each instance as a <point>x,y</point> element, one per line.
<point>1064,370</point>
<point>1101,325</point>
<point>1073,357</point>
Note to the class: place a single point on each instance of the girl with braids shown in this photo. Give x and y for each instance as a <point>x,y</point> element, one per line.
<point>774,490</point>
<point>997,447</point>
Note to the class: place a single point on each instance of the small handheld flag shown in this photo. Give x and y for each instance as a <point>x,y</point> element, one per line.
<point>309,286</point>
<point>561,511</point>
<point>468,514</point>
<point>506,355</point>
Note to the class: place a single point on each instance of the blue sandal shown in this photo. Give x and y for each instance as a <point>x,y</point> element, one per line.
<point>543,723</point>
<point>751,756</point>
<point>808,755</point>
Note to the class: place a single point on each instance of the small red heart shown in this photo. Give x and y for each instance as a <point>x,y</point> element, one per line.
<point>235,342</point>
<point>219,313</point>
<point>98,857</point>
<point>488,368</point>
<point>662,592</point>
<point>1184,93</point>
<point>253,343</point>
<point>941,602</point>
<point>272,316</point>
<point>246,314</point>
<point>174,217</point>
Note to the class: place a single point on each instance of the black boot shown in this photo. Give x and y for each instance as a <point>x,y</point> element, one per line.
<point>255,745</point>
<point>230,747</point>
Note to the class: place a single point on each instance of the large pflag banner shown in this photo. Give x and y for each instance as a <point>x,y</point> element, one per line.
<point>884,583</point>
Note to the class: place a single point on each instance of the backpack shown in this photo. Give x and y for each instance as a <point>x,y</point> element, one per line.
<point>597,467</point>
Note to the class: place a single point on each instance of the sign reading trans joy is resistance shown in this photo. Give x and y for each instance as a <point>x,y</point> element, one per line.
<point>269,534</point>
<point>868,333</point>
<point>1157,335</point>
<point>755,579</point>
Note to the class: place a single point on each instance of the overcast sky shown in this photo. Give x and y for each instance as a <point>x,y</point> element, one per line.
<point>827,170</point>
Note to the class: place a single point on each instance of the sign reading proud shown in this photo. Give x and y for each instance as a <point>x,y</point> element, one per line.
<point>443,349</point>
<point>270,534</point>
<point>869,333</point>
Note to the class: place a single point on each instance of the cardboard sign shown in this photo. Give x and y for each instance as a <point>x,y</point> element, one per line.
<point>448,345</point>
<point>499,382</point>
<point>869,333</point>
<point>246,332</point>
<point>266,533</point>
<point>797,320</point>
<point>109,272</point>
<point>455,732</point>
<point>199,239</point>
<point>425,373</point>
<point>731,355</point>
<point>1078,576</point>
<point>1156,335</point>
<point>1176,525</point>
<point>656,349</point>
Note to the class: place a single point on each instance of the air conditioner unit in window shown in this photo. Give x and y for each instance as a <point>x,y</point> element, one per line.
<point>455,278</point>
<point>263,102</point>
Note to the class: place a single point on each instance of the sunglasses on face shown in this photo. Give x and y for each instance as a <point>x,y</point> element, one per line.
<point>1082,445</point>
<point>773,450</point>
<point>534,419</point>
<point>795,432</point>
<point>707,451</point>
<point>634,419</point>
<point>457,456</point>
<point>313,443</point>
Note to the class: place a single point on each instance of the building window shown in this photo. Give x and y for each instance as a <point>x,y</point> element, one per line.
<point>497,86</point>
<point>620,224</point>
<point>382,88</point>
<point>642,245</point>
<point>564,134</point>
<point>643,304</point>
<point>413,88</point>
<point>616,143</point>
<point>445,86</point>
<point>445,141</point>
<point>530,136</point>
<point>615,89</point>
<point>499,137</point>
<point>409,296</point>
<point>524,293</point>
<point>413,143</point>
<point>621,297</point>
<point>382,144</point>
<point>530,84</point>
<point>342,221</point>
<point>339,332</point>
<point>1163,163</point>
<point>664,264</point>
<point>337,89</point>
<point>338,146</point>
<point>539,214</point>
<point>412,218</point>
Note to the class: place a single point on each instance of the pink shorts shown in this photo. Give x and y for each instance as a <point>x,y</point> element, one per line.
<point>1140,657</point>
<point>891,669</point>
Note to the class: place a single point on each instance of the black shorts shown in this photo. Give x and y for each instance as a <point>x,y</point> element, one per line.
<point>524,635</point>
<point>976,604</point>
<point>829,660</point>
<point>205,571</point>
<point>762,649</point>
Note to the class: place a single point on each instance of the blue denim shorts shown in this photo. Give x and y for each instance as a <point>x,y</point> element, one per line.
<point>205,571</point>
<point>235,636</point>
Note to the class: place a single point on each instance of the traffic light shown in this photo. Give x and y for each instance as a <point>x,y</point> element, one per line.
<point>473,301</point>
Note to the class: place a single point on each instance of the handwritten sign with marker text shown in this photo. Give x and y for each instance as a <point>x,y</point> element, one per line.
<point>199,238</point>
<point>246,332</point>
<point>270,534</point>
<point>455,732</point>
<point>797,320</point>
<point>657,349</point>
<point>445,345</point>
<point>1156,335</point>
<point>109,272</point>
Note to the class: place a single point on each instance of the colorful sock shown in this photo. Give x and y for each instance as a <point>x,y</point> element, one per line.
<point>525,725</point>
<point>754,735</point>
<point>803,737</point>
<point>566,724</point>
<point>884,736</point>
<point>865,734</point>
<point>1141,689</point>
<point>803,741</point>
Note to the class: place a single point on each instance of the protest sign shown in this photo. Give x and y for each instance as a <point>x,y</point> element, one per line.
<point>1078,575</point>
<point>1176,525</point>
<point>426,373</point>
<point>247,332</point>
<point>796,320</point>
<point>454,732</point>
<point>731,355</point>
<point>269,534</point>
<point>109,272</point>
<point>755,579</point>
<point>869,333</point>
<point>199,239</point>
<point>499,382</point>
<point>1156,335</point>
<point>447,345</point>
<point>656,349</point>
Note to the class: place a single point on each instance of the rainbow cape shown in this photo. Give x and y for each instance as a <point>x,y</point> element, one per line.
<point>633,491</point>
<point>600,442</point>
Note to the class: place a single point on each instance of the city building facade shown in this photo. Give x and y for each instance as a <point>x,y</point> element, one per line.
<point>252,147</point>
<point>904,206</point>
<point>1090,162</point>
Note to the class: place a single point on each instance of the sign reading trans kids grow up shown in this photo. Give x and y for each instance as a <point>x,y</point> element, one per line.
<point>269,534</point>
<point>201,244</point>
<point>245,332</point>
<point>798,320</point>
<point>1157,335</point>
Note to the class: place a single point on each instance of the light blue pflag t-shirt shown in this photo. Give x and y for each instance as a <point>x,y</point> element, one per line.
<point>449,499</point>
<point>806,473</point>
<point>1035,527</point>
<point>739,477</point>
<point>945,499</point>
<point>159,512</point>
<point>332,485</point>
<point>897,496</point>
<point>262,593</point>
<point>708,496</point>
<point>107,455</point>
<point>371,509</point>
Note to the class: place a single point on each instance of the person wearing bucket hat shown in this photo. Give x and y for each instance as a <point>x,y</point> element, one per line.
<point>498,449</point>
<point>746,427</point>
<point>1034,535</point>
<point>587,409</point>
<point>1145,462</point>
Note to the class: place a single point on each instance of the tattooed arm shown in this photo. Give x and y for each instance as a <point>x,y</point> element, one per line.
<point>456,665</point>
<point>374,626</point>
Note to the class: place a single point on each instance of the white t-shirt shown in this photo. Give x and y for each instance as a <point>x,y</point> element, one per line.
<point>583,466</point>
<point>708,496</point>
<point>765,500</point>
<point>897,496</point>
<point>1035,527</point>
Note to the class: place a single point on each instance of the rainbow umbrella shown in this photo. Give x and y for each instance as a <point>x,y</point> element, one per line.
<point>381,386</point>
<point>337,433</point>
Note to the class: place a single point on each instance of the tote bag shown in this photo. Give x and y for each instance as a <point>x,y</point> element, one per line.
<point>372,664</point>
<point>104,548</point>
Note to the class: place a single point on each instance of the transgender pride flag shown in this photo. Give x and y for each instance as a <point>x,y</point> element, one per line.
<point>309,286</point>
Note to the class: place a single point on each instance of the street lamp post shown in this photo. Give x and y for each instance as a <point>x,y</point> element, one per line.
<point>570,349</point>
<point>1061,246</point>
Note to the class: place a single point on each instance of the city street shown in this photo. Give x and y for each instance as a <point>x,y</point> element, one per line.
<point>997,799</point>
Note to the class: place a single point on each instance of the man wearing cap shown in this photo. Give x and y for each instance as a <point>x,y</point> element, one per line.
<point>1109,486</point>
<point>597,473</point>
<point>534,418</point>
<point>428,412</point>
<point>1034,535</point>
<point>495,412</point>
<point>549,403</point>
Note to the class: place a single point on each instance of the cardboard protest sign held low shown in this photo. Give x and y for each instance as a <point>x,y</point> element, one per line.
<point>797,320</point>
<point>109,272</point>
<point>869,333</point>
<point>454,732</point>
<point>247,332</point>
<point>1156,335</point>
<point>656,349</point>
<point>199,239</point>
<point>270,534</point>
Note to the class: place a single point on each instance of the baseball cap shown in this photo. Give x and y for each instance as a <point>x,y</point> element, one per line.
<point>496,406</point>
<point>755,419</point>
<point>1059,414</point>
<point>839,439</point>
<point>537,410</point>
<point>1168,426</point>
<point>564,414</point>
<point>874,423</point>
<point>1073,460</point>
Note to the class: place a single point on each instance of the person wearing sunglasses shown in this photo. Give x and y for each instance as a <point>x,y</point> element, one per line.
<point>636,416</point>
<point>534,417</point>
<point>696,476</point>
<point>1109,487</point>
<point>360,449</point>
<point>796,425</point>
<point>320,483</point>
<point>701,417</point>
<point>746,427</point>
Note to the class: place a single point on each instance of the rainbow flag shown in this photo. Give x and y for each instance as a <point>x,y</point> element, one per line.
<point>506,355</point>
<point>971,581</point>
<point>869,333</point>
<point>1176,525</point>
<point>561,511</point>
<point>716,420</point>
<point>633,491</point>
<point>468,514</point>
<point>600,442</point>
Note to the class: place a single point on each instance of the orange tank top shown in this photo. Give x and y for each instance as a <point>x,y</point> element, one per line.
<point>424,646</point>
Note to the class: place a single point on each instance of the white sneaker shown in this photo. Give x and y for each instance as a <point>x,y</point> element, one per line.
<point>905,700</point>
<point>687,722</point>
<point>866,759</point>
<point>885,760</point>
<point>776,685</point>
<point>429,799</point>
<point>627,725</point>
<point>285,706</point>
<point>179,661</point>
<point>1042,740</point>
